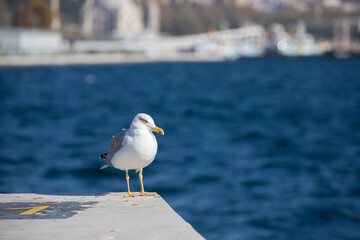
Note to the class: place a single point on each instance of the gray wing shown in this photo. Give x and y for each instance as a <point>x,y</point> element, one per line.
<point>115,145</point>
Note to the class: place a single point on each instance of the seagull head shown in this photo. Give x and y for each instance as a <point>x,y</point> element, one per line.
<point>144,121</point>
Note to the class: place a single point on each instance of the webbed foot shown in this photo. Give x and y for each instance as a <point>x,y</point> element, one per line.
<point>131,195</point>
<point>148,194</point>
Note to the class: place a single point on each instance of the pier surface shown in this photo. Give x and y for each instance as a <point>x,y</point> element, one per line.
<point>97,216</point>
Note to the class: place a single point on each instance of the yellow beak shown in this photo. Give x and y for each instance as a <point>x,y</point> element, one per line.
<point>158,130</point>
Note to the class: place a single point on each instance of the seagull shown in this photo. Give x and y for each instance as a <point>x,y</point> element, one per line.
<point>133,149</point>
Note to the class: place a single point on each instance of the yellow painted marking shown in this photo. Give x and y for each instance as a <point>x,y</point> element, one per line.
<point>32,209</point>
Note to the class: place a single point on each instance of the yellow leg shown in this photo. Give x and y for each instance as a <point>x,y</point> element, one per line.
<point>143,193</point>
<point>129,194</point>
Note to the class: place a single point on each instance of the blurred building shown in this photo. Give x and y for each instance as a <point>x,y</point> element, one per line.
<point>119,18</point>
<point>55,10</point>
<point>346,37</point>
<point>276,5</point>
<point>298,43</point>
<point>270,5</point>
<point>152,17</point>
<point>331,3</point>
<point>29,41</point>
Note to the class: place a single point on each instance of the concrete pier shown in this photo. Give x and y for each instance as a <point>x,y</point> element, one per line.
<point>86,217</point>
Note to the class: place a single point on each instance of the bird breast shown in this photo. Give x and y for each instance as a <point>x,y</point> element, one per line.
<point>144,144</point>
<point>138,150</point>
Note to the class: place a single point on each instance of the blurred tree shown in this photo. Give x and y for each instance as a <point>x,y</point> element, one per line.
<point>4,13</point>
<point>188,18</point>
<point>180,19</point>
<point>70,10</point>
<point>33,13</point>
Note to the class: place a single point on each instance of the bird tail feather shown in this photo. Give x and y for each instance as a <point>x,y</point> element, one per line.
<point>103,156</point>
<point>103,167</point>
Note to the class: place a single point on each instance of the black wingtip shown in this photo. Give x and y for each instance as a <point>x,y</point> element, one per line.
<point>103,156</point>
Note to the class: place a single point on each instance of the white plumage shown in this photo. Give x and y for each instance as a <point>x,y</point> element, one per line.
<point>138,150</point>
<point>134,148</point>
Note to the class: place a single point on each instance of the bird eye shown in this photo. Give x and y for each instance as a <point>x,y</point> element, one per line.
<point>144,121</point>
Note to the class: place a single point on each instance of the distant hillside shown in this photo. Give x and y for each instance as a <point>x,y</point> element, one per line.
<point>188,18</point>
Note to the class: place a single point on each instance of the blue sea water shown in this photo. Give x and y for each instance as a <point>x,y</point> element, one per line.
<point>255,149</point>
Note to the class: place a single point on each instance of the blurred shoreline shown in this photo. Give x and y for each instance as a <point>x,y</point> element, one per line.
<point>102,58</point>
<point>121,58</point>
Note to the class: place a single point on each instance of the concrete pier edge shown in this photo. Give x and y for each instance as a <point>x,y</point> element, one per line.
<point>102,216</point>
